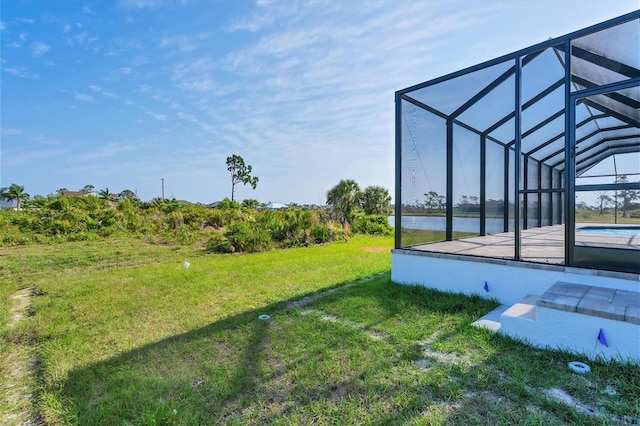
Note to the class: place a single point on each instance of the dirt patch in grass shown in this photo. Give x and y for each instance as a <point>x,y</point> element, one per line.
<point>18,366</point>
<point>22,301</point>
<point>375,249</point>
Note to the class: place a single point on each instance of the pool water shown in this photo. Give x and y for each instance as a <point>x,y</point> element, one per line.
<point>629,231</point>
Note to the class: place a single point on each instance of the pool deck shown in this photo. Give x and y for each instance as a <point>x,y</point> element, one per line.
<point>540,245</point>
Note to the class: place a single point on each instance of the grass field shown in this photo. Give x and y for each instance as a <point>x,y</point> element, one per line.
<point>121,332</point>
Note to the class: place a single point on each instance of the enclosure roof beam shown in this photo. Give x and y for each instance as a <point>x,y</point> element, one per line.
<point>599,60</point>
<point>625,100</point>
<point>446,117</point>
<point>561,135</point>
<point>424,106</point>
<point>607,142</point>
<point>635,145</point>
<point>545,144</point>
<point>526,105</point>
<point>596,158</point>
<point>606,129</point>
<point>584,138</point>
<point>540,125</point>
<point>551,43</point>
<point>491,86</point>
<point>611,186</point>
<point>622,117</point>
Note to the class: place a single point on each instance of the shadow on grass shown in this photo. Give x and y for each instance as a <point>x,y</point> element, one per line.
<point>298,368</point>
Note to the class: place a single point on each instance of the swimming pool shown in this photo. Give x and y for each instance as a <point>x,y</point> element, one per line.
<point>628,231</point>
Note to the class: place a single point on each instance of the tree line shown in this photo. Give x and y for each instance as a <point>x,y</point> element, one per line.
<point>230,227</point>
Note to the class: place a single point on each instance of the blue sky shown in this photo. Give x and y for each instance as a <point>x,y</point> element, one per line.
<point>120,94</point>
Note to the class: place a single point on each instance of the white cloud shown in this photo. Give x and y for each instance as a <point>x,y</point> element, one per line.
<point>194,120</point>
<point>82,97</point>
<point>198,68</point>
<point>104,92</point>
<point>31,158</point>
<point>198,85</point>
<point>117,74</point>
<point>159,117</point>
<point>47,140</point>
<point>22,72</point>
<point>38,48</point>
<point>182,43</point>
<point>140,4</point>
<point>9,131</point>
<point>103,152</point>
<point>196,75</point>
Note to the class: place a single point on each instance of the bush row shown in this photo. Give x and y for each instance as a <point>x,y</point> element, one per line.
<point>229,228</point>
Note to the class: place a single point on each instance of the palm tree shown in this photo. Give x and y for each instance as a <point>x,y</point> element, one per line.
<point>376,200</point>
<point>344,198</point>
<point>105,194</point>
<point>14,192</point>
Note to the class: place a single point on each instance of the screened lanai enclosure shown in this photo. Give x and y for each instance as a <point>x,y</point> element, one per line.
<point>532,157</point>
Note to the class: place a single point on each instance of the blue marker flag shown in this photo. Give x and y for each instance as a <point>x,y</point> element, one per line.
<point>602,339</point>
<point>486,287</point>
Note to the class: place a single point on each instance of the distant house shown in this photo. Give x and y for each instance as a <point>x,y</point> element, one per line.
<point>213,205</point>
<point>73,194</point>
<point>276,206</point>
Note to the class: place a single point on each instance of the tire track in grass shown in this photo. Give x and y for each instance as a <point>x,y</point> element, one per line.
<point>432,357</point>
<point>22,302</point>
<point>19,366</point>
<point>303,302</point>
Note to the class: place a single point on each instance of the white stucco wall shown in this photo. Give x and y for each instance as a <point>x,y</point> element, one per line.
<point>508,281</point>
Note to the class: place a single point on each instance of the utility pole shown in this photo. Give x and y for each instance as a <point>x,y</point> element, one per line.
<point>162,189</point>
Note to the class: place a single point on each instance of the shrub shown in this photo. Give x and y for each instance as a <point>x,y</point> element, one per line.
<point>338,231</point>
<point>290,228</point>
<point>248,236</point>
<point>174,220</point>
<point>227,204</point>
<point>219,244</point>
<point>184,235</point>
<point>219,218</point>
<point>274,222</point>
<point>371,224</point>
<point>320,233</point>
<point>214,218</point>
<point>194,216</point>
<point>82,236</point>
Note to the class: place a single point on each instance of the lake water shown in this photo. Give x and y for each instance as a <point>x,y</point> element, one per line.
<point>460,224</point>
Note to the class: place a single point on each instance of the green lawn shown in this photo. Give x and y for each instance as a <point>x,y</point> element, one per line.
<point>122,333</point>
